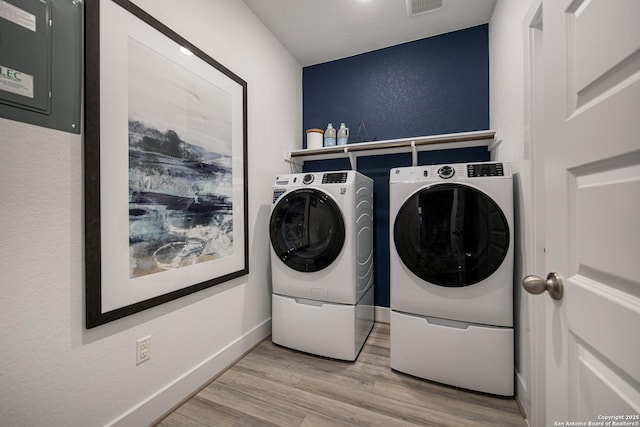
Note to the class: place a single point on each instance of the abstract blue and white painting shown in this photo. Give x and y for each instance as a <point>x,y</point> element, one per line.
<point>180,170</point>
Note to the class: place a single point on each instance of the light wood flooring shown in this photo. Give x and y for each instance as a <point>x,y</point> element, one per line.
<point>277,386</point>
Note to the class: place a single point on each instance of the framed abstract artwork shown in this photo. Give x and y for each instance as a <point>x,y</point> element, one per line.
<point>165,165</point>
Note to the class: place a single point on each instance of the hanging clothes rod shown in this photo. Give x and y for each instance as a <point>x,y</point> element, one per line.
<point>411,144</point>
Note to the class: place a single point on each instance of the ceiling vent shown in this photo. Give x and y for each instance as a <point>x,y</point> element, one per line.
<point>417,7</point>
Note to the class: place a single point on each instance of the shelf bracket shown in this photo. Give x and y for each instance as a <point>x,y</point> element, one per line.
<point>296,166</point>
<point>497,140</point>
<point>414,154</point>
<point>352,158</point>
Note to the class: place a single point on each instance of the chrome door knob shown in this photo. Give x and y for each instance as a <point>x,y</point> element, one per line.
<point>537,285</point>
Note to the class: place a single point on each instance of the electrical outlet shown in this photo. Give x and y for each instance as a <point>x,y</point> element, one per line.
<point>143,350</point>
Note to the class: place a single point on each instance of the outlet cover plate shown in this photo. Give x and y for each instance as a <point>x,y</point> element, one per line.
<point>143,350</point>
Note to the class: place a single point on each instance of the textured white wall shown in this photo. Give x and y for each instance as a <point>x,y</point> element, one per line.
<point>54,372</point>
<point>507,116</point>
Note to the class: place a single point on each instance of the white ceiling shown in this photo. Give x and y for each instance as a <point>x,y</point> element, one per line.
<point>316,31</point>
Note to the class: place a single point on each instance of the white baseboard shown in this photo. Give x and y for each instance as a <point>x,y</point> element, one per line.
<point>382,314</point>
<point>165,399</point>
<point>161,402</point>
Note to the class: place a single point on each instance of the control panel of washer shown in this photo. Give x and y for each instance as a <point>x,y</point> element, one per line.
<point>334,178</point>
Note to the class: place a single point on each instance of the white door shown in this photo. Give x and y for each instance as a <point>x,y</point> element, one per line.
<point>592,212</point>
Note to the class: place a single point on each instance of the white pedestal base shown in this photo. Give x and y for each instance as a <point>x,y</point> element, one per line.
<point>470,356</point>
<point>325,329</point>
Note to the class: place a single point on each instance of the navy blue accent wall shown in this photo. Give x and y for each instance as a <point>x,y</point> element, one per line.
<point>427,87</point>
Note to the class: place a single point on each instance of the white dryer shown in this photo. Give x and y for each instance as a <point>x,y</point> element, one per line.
<point>451,274</point>
<point>321,232</point>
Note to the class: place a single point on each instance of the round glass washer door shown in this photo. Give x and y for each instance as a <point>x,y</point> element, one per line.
<point>451,235</point>
<point>307,230</point>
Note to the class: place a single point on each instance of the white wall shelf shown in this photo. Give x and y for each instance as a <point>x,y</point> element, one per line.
<point>393,146</point>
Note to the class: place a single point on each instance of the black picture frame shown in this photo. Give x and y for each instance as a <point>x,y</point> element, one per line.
<point>180,238</point>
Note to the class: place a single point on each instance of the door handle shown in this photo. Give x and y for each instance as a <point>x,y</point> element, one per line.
<point>537,285</point>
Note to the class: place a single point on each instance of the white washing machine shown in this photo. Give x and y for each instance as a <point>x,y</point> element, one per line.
<point>321,232</point>
<point>451,274</point>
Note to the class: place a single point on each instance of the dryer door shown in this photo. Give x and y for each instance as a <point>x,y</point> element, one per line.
<point>451,235</point>
<point>307,230</point>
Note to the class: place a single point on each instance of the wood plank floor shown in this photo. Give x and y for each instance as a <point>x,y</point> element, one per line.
<point>277,386</point>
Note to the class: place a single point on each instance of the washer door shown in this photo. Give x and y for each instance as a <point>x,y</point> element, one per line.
<point>307,230</point>
<point>451,235</point>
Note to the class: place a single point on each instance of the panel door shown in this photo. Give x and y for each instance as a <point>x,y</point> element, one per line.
<point>592,168</point>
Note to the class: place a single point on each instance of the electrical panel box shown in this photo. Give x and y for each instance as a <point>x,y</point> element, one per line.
<point>41,62</point>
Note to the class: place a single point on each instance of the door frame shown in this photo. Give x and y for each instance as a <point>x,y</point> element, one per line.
<point>534,149</point>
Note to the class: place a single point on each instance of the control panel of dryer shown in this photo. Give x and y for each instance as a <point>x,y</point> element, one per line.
<point>450,172</point>
<point>484,169</point>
